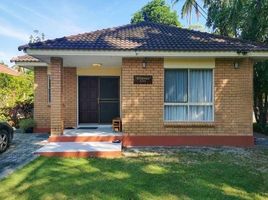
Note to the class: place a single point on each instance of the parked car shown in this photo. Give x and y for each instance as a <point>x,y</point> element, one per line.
<point>6,136</point>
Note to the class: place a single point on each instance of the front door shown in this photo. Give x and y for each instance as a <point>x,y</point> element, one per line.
<point>98,99</point>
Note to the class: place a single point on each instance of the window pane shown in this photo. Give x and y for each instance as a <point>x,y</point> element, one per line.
<point>200,89</point>
<point>176,113</point>
<point>200,113</point>
<point>176,85</point>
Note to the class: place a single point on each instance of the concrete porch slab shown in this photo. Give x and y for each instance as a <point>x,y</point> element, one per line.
<point>81,149</point>
<point>100,131</point>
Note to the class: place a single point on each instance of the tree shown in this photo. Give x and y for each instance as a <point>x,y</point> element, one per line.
<point>197,27</point>
<point>192,5</point>
<point>246,19</point>
<point>156,11</point>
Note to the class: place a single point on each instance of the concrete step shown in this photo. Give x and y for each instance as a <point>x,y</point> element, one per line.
<point>85,138</point>
<point>81,149</point>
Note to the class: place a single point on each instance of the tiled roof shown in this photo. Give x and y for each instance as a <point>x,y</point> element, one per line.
<point>24,58</point>
<point>147,37</point>
<point>6,70</point>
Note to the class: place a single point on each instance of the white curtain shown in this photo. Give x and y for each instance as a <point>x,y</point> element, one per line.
<point>175,113</point>
<point>200,91</point>
<point>200,113</point>
<point>200,86</point>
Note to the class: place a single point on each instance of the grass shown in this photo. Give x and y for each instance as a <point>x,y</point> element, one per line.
<point>174,174</point>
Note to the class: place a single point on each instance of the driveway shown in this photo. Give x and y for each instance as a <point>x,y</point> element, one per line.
<point>20,152</point>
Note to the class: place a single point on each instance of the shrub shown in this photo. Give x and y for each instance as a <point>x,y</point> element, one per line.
<point>27,125</point>
<point>259,128</point>
<point>16,97</point>
<point>21,110</point>
<point>265,131</point>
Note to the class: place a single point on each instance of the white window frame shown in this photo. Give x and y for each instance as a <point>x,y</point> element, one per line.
<point>48,88</point>
<point>188,104</point>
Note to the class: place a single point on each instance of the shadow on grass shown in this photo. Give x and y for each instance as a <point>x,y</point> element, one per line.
<point>156,177</point>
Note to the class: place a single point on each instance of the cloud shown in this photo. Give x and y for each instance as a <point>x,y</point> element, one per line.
<point>15,15</point>
<point>8,31</point>
<point>59,20</point>
<point>6,56</point>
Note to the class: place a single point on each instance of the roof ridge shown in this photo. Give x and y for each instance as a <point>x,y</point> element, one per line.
<point>147,36</point>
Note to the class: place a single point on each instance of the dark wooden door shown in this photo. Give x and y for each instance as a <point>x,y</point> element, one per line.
<point>109,98</point>
<point>88,99</point>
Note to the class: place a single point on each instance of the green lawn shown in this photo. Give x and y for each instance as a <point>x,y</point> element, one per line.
<point>184,174</point>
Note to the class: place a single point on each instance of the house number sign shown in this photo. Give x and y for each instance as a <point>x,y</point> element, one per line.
<point>142,79</point>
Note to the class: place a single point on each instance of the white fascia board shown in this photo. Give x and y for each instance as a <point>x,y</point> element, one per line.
<point>31,64</point>
<point>184,54</point>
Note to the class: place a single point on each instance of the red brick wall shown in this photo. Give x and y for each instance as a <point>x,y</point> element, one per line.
<point>142,105</point>
<point>41,107</point>
<point>70,96</point>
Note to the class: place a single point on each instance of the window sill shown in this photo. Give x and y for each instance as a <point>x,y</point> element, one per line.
<point>189,124</point>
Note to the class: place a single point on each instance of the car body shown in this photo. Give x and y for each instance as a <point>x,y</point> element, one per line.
<point>6,136</point>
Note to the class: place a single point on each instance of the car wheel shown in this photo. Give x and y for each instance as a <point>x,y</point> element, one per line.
<point>3,140</point>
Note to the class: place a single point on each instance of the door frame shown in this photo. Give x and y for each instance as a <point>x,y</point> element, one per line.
<point>77,100</point>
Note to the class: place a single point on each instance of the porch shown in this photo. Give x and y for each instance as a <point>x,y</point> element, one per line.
<point>83,92</point>
<point>99,141</point>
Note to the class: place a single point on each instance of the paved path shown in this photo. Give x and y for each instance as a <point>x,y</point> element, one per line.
<point>20,152</point>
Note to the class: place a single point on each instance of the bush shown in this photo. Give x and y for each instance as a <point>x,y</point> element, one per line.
<point>259,128</point>
<point>27,125</point>
<point>16,97</point>
<point>265,131</point>
<point>21,110</point>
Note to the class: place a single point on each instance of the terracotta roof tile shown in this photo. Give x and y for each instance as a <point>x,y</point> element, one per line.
<point>24,58</point>
<point>6,70</point>
<point>147,37</point>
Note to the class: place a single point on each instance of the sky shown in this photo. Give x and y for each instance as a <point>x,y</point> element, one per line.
<point>58,18</point>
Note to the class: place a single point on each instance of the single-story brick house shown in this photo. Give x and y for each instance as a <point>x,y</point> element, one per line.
<point>169,86</point>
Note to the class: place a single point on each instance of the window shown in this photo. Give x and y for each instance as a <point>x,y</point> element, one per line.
<point>188,95</point>
<point>48,89</point>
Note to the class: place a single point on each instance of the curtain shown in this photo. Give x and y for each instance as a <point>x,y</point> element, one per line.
<point>200,91</point>
<point>176,113</point>
<point>200,113</point>
<point>200,87</point>
<point>176,85</point>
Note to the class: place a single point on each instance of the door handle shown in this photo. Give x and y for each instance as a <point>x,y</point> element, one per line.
<point>98,99</point>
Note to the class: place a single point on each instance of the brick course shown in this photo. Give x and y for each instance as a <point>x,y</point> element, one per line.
<point>41,107</point>
<point>69,97</point>
<point>142,105</point>
<point>56,116</point>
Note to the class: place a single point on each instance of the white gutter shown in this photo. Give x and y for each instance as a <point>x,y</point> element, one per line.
<point>184,54</point>
<point>31,64</point>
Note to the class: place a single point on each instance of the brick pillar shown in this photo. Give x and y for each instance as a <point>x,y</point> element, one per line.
<point>56,96</point>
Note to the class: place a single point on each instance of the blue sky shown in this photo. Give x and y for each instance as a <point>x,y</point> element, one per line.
<point>58,18</point>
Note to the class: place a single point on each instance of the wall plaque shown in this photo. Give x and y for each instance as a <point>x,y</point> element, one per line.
<point>142,79</point>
